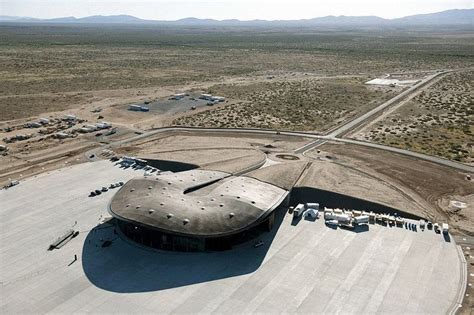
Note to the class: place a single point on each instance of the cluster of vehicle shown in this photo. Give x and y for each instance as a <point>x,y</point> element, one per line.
<point>11,184</point>
<point>134,163</point>
<point>434,226</point>
<point>105,189</point>
<point>310,210</point>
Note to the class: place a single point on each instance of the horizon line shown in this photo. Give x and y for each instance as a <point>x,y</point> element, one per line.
<point>228,19</point>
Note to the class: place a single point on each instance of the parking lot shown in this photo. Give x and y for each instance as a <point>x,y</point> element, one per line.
<point>305,267</point>
<point>171,106</point>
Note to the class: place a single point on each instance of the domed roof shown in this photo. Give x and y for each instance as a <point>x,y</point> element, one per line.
<point>196,202</point>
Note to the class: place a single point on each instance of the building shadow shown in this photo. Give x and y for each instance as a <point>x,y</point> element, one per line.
<point>169,165</point>
<point>126,267</point>
<point>296,220</point>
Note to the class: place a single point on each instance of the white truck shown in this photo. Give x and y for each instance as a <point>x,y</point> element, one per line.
<point>362,219</point>
<point>298,211</point>
<point>445,228</point>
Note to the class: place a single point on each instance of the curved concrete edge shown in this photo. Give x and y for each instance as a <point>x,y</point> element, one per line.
<point>252,167</point>
<point>463,283</point>
<point>320,139</point>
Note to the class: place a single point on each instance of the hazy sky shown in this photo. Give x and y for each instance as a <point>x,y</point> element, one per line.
<point>227,9</point>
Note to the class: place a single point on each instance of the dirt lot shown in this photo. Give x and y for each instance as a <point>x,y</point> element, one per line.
<point>437,186</point>
<point>439,121</point>
<point>182,141</point>
<point>305,104</point>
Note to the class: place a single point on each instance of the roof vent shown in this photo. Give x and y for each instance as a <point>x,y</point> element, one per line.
<point>185,221</point>
<point>231,215</point>
<point>164,188</point>
<point>203,208</point>
<point>128,205</point>
<point>253,201</point>
<point>169,215</point>
<point>151,211</point>
<point>132,190</point>
<point>150,187</point>
<point>221,205</point>
<point>162,203</point>
<point>138,207</point>
<point>212,199</point>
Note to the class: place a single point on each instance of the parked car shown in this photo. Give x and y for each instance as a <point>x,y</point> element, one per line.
<point>97,192</point>
<point>104,189</point>
<point>92,194</point>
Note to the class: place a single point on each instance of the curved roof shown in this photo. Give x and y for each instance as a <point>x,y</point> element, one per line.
<point>196,202</point>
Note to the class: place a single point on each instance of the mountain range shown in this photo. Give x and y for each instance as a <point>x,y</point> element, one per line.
<point>449,17</point>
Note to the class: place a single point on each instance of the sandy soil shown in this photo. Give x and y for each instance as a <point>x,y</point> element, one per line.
<point>431,186</point>
<point>206,140</point>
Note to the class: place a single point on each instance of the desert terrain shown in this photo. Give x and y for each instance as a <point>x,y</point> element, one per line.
<point>438,121</point>
<point>66,91</point>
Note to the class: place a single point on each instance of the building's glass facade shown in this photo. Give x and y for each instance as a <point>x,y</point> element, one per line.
<point>168,241</point>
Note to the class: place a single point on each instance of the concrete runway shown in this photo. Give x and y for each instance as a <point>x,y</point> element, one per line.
<point>303,267</point>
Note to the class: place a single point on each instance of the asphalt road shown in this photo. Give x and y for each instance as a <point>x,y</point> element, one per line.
<point>363,118</point>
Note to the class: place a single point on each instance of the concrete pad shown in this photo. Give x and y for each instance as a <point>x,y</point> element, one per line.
<point>302,268</point>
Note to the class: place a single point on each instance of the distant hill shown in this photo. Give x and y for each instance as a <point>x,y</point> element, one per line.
<point>445,17</point>
<point>450,17</point>
<point>348,20</point>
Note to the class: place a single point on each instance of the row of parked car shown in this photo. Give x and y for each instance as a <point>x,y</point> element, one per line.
<point>105,189</point>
